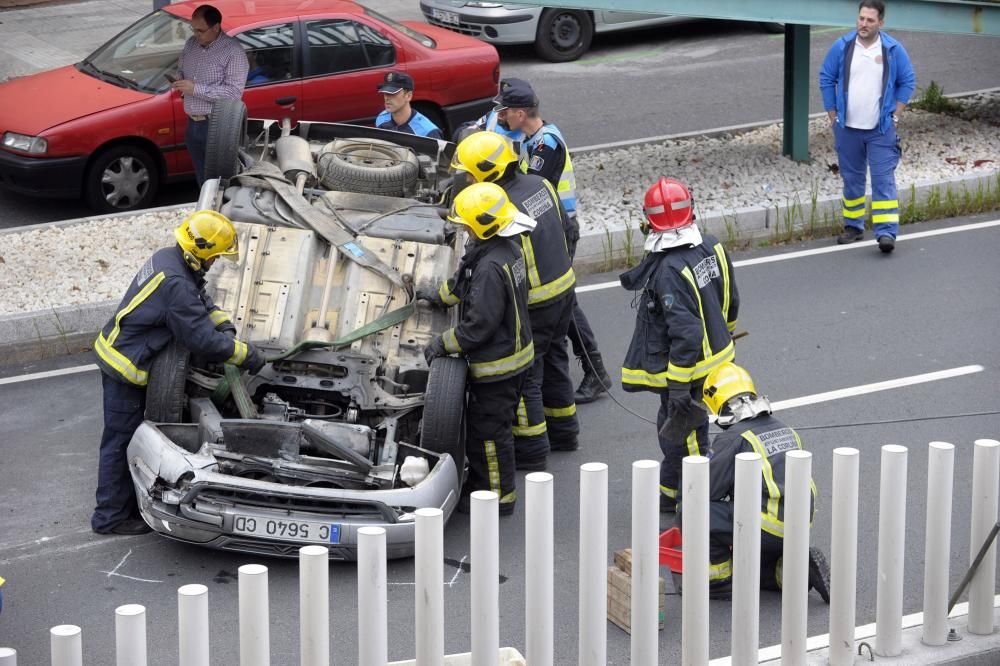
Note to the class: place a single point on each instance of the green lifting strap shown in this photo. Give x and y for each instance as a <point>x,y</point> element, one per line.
<point>232,378</point>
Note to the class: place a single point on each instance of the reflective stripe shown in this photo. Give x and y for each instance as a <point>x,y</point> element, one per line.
<point>771,517</point>
<point>885,217</point>
<point>669,492</point>
<point>701,368</point>
<point>730,326</point>
<point>218,317</point>
<point>706,345</point>
<point>505,365</point>
<point>549,290</point>
<point>851,203</point>
<point>720,571</point>
<point>509,498</point>
<point>451,344</point>
<point>854,214</point>
<point>517,311</point>
<point>692,444</point>
<point>654,210</point>
<point>133,304</point>
<point>720,254</point>
<point>492,464</point>
<point>529,261</point>
<point>678,205</point>
<point>444,293</point>
<point>239,353</point>
<point>885,205</point>
<point>530,430</point>
<point>119,363</point>
<point>560,412</point>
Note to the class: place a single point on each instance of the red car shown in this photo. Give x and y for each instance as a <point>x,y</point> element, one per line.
<point>110,129</point>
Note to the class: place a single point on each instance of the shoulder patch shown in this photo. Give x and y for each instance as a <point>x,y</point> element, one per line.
<point>536,162</point>
<point>144,272</point>
<point>668,301</point>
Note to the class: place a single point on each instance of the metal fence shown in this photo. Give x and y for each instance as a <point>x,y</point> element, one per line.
<point>372,636</point>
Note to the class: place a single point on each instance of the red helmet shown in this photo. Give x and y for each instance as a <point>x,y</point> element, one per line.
<point>668,205</point>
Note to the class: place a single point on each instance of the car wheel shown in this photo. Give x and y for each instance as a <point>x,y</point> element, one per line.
<point>227,129</point>
<point>121,178</point>
<point>443,427</point>
<point>563,34</point>
<point>165,398</point>
<point>368,166</point>
<point>434,115</point>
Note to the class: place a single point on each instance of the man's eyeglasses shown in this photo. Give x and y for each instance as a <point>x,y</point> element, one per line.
<point>200,31</point>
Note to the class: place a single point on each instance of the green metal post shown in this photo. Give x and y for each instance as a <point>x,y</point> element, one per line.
<point>796,136</point>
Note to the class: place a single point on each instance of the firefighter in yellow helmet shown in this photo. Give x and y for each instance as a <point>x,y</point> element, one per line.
<point>748,427</point>
<point>493,334</point>
<point>546,416</point>
<point>165,300</point>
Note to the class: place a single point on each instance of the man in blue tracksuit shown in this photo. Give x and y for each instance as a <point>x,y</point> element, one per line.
<point>866,81</point>
<point>399,115</point>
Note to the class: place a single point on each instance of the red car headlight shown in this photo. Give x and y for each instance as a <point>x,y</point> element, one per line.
<point>35,145</point>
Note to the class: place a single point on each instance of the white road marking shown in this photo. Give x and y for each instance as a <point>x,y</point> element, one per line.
<point>877,386</point>
<point>45,375</point>
<point>114,572</point>
<point>821,250</point>
<point>454,578</point>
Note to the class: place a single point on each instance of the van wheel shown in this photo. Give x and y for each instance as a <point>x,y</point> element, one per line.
<point>443,427</point>
<point>563,34</point>
<point>121,178</point>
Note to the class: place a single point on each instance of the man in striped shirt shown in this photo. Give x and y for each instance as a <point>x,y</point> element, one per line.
<point>212,66</point>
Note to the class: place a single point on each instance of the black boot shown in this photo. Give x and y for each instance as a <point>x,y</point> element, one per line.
<point>595,379</point>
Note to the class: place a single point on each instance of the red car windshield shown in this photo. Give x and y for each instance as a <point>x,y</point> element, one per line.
<point>406,30</point>
<point>140,56</point>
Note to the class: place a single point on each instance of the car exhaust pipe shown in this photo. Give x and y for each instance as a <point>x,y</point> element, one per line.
<point>295,160</point>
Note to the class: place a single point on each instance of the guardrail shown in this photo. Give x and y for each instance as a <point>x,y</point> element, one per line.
<point>372,637</point>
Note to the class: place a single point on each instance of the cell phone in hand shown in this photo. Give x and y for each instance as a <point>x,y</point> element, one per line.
<point>173,78</point>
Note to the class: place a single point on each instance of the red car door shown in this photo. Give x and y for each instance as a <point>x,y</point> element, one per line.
<point>344,62</point>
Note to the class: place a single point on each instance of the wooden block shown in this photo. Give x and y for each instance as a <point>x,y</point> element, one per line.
<point>623,560</point>
<point>620,599</point>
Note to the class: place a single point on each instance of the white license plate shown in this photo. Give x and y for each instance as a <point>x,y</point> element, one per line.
<point>445,17</point>
<point>288,530</point>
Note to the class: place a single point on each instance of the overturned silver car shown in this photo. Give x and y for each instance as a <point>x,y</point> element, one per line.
<point>346,426</point>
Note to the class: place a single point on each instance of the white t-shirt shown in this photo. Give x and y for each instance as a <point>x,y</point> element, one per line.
<point>864,91</point>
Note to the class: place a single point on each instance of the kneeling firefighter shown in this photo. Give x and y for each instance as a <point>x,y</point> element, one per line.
<point>166,300</point>
<point>493,334</point>
<point>748,427</point>
<point>685,316</point>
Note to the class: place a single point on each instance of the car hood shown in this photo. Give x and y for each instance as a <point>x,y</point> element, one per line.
<point>32,104</point>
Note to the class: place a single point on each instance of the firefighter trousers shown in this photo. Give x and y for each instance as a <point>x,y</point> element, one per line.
<point>489,443</point>
<point>720,549</point>
<point>124,408</point>
<point>674,452</point>
<point>546,413</point>
<point>861,151</point>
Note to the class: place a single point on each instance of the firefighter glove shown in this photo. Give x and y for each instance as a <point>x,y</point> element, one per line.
<point>429,295</point>
<point>434,349</point>
<point>255,361</point>
<point>679,403</point>
<point>228,328</point>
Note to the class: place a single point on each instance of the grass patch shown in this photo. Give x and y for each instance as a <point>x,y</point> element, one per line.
<point>932,99</point>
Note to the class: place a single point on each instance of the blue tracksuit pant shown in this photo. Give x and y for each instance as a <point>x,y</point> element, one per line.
<point>858,152</point>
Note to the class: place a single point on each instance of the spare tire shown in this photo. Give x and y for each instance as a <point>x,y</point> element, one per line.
<point>227,130</point>
<point>443,427</point>
<point>165,397</point>
<point>368,166</point>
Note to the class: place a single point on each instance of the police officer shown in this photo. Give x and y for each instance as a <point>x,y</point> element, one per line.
<point>546,417</point>
<point>748,427</point>
<point>397,91</point>
<point>493,333</point>
<point>684,321</point>
<point>544,152</point>
<point>491,121</point>
<point>166,300</point>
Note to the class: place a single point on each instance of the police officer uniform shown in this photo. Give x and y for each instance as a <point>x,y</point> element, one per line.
<point>419,124</point>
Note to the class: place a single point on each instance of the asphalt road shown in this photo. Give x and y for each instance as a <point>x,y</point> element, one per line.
<point>817,323</point>
<point>680,78</point>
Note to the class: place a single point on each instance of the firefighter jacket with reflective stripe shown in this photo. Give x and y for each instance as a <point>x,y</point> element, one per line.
<point>546,154</point>
<point>546,251</point>
<point>685,315</point>
<point>772,439</point>
<point>166,300</point>
<point>493,331</point>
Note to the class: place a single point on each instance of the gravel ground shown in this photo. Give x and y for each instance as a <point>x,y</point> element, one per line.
<point>56,266</point>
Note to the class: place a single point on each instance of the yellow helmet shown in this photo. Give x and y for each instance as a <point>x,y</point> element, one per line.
<point>485,155</point>
<point>206,234</point>
<point>725,383</point>
<point>484,208</point>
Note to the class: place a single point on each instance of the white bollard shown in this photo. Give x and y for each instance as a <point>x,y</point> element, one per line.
<point>66,644</point>
<point>593,557</point>
<point>255,636</point>
<point>645,562</point>
<point>937,541</point>
<point>539,563</point>
<point>429,588</point>
<point>130,635</point>
<point>314,606</point>
<point>373,620</point>
<point>843,555</point>
<point>891,549</point>
<point>795,558</point>
<point>695,559</point>
<point>192,625</point>
<point>485,555</point>
<point>985,482</point>
<point>8,656</point>
<point>746,560</point>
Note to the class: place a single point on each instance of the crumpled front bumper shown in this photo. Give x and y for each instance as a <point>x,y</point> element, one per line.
<point>182,496</point>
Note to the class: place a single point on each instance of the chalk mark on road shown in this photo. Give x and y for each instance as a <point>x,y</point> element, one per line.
<point>114,572</point>
<point>459,568</point>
